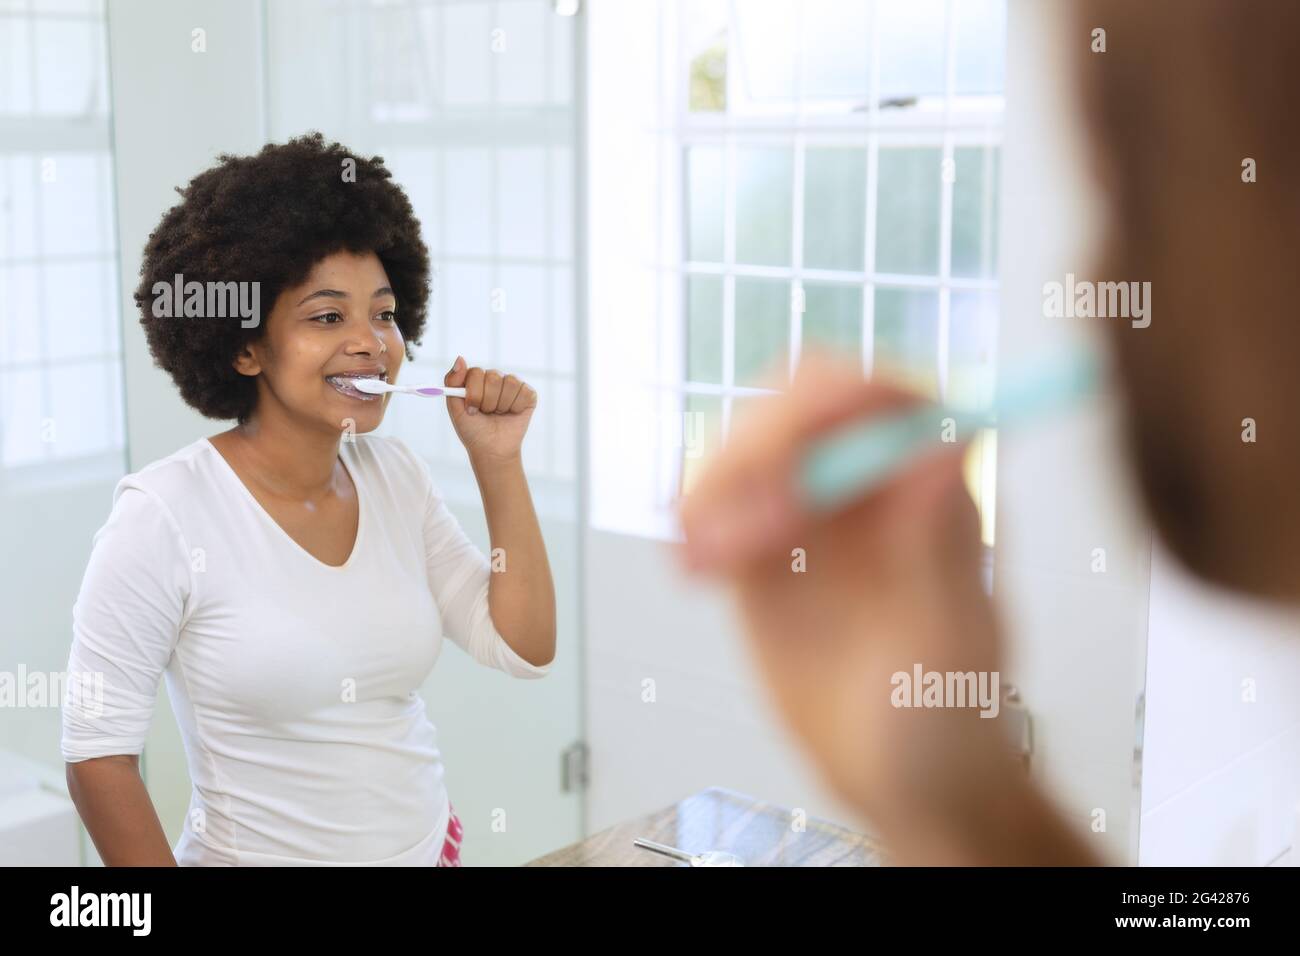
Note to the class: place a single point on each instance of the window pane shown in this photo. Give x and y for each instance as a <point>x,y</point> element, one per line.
<point>80,309</point>
<point>70,66</point>
<point>467,60</point>
<point>82,418</point>
<point>906,344</point>
<point>762,329</point>
<point>521,60</point>
<point>16,66</point>
<point>704,173</point>
<point>972,346</point>
<point>763,206</point>
<point>766,67</point>
<point>701,434</point>
<point>21,418</point>
<point>974,212</point>
<point>835,197</point>
<point>833,317</point>
<point>911,47</point>
<point>521,202</point>
<point>704,329</point>
<point>907,211</point>
<point>981,27</point>
<point>836,51</point>
<point>467,201</point>
<point>518,312</point>
<point>76,211</point>
<point>705,25</point>
<point>20,332</point>
<point>979,468</point>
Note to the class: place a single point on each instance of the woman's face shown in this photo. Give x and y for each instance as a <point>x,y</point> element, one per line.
<point>337,324</point>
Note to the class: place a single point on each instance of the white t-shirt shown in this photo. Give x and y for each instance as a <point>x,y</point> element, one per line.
<point>294,682</point>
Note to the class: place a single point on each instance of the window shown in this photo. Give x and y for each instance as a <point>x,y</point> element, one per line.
<point>60,349</point>
<point>839,188</point>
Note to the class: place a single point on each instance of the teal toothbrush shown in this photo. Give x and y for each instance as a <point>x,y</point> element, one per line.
<point>854,459</point>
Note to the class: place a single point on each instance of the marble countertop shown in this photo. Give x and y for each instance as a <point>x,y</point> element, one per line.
<point>761,834</point>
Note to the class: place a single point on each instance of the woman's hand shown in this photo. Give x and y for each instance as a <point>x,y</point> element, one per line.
<point>493,416</point>
<point>891,581</point>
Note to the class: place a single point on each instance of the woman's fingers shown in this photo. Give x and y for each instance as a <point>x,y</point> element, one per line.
<point>491,391</point>
<point>488,390</point>
<point>745,502</point>
<point>511,386</point>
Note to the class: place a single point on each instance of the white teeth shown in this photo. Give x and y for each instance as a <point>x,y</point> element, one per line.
<point>343,384</point>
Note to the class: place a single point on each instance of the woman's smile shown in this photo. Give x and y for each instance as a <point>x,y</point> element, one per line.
<point>341,383</point>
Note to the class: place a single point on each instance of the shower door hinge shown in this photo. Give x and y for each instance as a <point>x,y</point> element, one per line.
<point>574,767</point>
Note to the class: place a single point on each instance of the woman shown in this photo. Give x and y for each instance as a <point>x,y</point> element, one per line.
<point>1182,97</point>
<point>293,576</point>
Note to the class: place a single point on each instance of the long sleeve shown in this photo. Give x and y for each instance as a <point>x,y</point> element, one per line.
<point>125,623</point>
<point>459,576</point>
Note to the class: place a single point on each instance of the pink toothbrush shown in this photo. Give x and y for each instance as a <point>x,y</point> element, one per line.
<point>376,387</point>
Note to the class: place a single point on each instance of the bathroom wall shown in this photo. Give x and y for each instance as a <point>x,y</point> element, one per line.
<point>1221,760</point>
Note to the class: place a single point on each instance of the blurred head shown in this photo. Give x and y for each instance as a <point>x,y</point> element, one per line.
<point>1186,92</point>
<point>324,247</point>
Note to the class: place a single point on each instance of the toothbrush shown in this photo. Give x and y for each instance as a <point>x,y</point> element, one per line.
<point>855,459</point>
<point>375,387</point>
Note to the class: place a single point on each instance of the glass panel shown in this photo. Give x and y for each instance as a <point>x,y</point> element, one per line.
<point>20,332</point>
<point>974,212</point>
<point>762,331</point>
<point>704,203</point>
<point>77,312</point>
<point>764,208</point>
<point>835,197</point>
<point>75,203</point>
<point>911,47</point>
<point>981,27</point>
<point>836,51</point>
<point>16,66</point>
<point>521,202</point>
<point>18,195</point>
<point>705,25</point>
<point>81,416</point>
<point>704,329</point>
<point>906,344</point>
<point>833,317</point>
<point>518,41</point>
<point>907,211</point>
<point>979,468</point>
<point>467,199</point>
<point>701,434</point>
<point>20,392</point>
<point>466,48</point>
<point>972,348</point>
<point>520,318</point>
<point>70,64</point>
<point>765,53</point>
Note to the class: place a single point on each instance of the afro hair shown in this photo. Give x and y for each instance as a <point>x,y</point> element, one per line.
<point>270,218</point>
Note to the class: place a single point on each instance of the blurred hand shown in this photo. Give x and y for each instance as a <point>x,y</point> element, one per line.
<point>891,581</point>
<point>494,414</point>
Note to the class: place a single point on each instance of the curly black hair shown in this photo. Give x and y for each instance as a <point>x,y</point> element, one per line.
<point>270,218</point>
